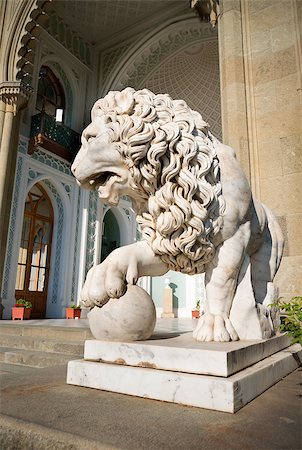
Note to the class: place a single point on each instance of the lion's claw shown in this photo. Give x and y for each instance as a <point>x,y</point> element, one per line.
<point>204,329</point>
<point>214,328</point>
<point>117,292</point>
<point>108,279</point>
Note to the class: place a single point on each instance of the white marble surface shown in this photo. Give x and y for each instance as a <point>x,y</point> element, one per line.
<point>194,205</point>
<point>179,352</point>
<point>47,323</point>
<point>179,325</point>
<point>203,391</point>
<point>131,317</point>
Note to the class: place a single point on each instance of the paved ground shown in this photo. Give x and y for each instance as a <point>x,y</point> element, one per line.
<point>40,411</point>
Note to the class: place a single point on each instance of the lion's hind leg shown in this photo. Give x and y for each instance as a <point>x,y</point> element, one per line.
<point>205,328</point>
<point>221,283</point>
<point>264,265</point>
<point>266,261</point>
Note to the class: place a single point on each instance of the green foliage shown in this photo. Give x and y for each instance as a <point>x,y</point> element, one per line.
<point>21,302</point>
<point>197,307</point>
<point>73,306</point>
<point>292,323</point>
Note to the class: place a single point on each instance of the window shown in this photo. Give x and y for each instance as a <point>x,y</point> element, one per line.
<point>50,97</point>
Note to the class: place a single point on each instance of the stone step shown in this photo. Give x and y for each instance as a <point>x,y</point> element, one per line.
<point>17,434</point>
<point>33,358</point>
<point>63,333</point>
<point>33,344</point>
<point>41,344</point>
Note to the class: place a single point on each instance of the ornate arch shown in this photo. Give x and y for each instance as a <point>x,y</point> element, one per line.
<point>19,49</point>
<point>142,58</point>
<point>190,49</point>
<point>61,203</point>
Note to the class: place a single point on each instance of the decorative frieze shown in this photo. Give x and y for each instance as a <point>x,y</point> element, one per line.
<point>91,230</point>
<point>155,53</point>
<point>76,244</point>
<point>69,39</point>
<point>58,252</point>
<point>52,162</point>
<point>111,58</point>
<point>12,229</point>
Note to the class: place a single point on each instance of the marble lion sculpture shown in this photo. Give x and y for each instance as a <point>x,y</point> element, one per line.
<point>194,206</point>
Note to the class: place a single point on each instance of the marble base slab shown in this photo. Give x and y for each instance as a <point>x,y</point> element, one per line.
<point>203,391</point>
<point>181,353</point>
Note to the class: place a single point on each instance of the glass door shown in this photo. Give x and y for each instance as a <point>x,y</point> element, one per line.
<point>34,252</point>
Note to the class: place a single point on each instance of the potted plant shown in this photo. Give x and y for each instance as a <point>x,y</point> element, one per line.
<point>196,310</point>
<point>73,312</point>
<point>21,310</point>
<point>291,317</point>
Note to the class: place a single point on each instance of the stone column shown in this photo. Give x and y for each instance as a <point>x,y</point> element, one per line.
<point>14,97</point>
<point>232,81</point>
<point>2,116</point>
<point>261,87</point>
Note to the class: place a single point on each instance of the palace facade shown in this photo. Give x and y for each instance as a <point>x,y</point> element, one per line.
<point>240,68</point>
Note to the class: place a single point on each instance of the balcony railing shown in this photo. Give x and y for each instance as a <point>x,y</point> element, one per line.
<point>53,136</point>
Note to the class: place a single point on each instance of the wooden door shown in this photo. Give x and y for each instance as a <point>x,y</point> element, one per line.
<point>35,251</point>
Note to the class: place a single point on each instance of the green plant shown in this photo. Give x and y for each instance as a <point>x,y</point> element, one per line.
<point>197,306</point>
<point>21,302</point>
<point>292,321</point>
<point>73,306</point>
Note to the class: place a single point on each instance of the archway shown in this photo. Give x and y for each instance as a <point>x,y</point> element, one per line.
<point>111,238</point>
<point>35,251</point>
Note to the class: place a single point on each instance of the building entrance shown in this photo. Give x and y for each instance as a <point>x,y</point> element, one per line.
<point>34,251</point>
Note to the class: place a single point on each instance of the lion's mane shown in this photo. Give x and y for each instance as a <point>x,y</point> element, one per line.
<point>172,159</point>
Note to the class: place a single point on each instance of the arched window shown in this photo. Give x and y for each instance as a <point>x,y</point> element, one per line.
<point>50,96</point>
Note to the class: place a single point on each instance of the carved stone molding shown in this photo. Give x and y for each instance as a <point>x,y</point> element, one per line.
<point>37,19</point>
<point>15,94</point>
<point>21,38</point>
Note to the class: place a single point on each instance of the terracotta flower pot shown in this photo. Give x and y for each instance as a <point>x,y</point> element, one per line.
<point>20,313</point>
<point>73,313</point>
<point>195,313</point>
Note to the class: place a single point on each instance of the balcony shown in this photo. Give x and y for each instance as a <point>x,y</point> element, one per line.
<point>53,136</point>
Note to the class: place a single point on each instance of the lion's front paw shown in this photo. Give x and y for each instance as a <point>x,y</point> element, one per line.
<point>214,328</point>
<point>102,283</point>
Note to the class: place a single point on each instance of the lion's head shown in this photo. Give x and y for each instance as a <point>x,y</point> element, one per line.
<point>160,153</point>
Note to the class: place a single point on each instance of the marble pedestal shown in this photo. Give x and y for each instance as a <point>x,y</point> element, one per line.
<point>175,368</point>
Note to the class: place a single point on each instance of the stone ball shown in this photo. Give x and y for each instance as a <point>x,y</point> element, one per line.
<point>131,317</point>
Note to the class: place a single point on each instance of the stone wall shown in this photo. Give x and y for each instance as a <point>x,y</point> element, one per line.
<point>260,55</point>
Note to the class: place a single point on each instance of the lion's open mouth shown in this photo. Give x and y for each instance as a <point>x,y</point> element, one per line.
<point>101,179</point>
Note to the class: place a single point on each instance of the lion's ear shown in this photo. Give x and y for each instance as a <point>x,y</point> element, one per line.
<point>125,101</point>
